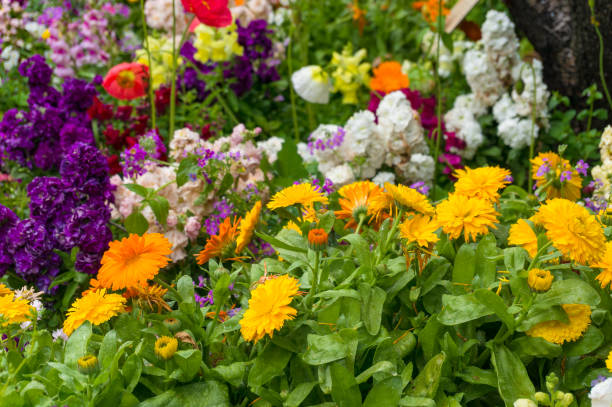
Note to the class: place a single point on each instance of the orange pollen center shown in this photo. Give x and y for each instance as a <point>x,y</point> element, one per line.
<point>126,79</point>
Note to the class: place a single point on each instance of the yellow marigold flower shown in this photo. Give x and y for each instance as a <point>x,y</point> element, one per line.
<point>269,308</point>
<point>388,77</point>
<point>133,260</point>
<point>573,230</point>
<point>4,290</point>
<point>410,198</point>
<point>539,280</point>
<point>302,194</point>
<point>223,244</point>
<point>14,310</point>
<point>96,307</point>
<point>88,363</point>
<point>552,170</point>
<point>558,332</point>
<point>420,229</point>
<point>483,182</point>
<point>247,226</point>
<point>609,361</point>
<point>291,225</point>
<point>165,347</point>
<point>356,201</point>
<point>605,264</point>
<point>471,216</point>
<point>521,234</point>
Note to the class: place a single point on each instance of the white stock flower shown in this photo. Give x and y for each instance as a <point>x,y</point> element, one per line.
<point>601,394</point>
<point>482,77</point>
<point>516,133</point>
<point>271,147</point>
<point>311,83</point>
<point>383,177</point>
<point>340,175</point>
<point>158,14</point>
<point>605,145</point>
<point>184,142</point>
<point>420,168</point>
<point>466,127</point>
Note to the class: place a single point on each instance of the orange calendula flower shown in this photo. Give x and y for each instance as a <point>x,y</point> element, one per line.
<point>430,9</point>
<point>558,332</point>
<point>556,176</point>
<point>317,239</point>
<point>388,77</point>
<point>223,244</point>
<point>247,226</point>
<point>356,202</point>
<point>133,260</point>
<point>14,310</point>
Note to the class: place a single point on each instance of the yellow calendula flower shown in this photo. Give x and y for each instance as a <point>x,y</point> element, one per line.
<point>4,290</point>
<point>559,332</point>
<point>420,229</point>
<point>557,176</point>
<point>14,310</point>
<point>605,264</point>
<point>247,227</point>
<point>96,307</point>
<point>301,194</point>
<point>291,225</point>
<point>356,201</point>
<point>133,260</point>
<point>88,363</point>
<point>539,280</point>
<point>165,347</point>
<point>410,198</point>
<point>483,182</point>
<point>468,216</point>
<point>609,361</point>
<point>573,230</point>
<point>216,44</point>
<point>521,234</point>
<point>269,308</point>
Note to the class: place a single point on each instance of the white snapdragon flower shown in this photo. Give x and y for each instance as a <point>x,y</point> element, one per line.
<point>312,84</point>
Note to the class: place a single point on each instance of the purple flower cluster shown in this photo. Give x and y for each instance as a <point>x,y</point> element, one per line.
<point>189,81</point>
<point>221,210</point>
<point>582,167</point>
<point>329,144</point>
<point>421,187</point>
<point>327,186</point>
<point>150,145</point>
<point>65,213</point>
<point>54,122</point>
<point>257,58</point>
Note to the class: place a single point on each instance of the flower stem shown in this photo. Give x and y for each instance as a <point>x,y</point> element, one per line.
<point>173,76</point>
<point>438,100</point>
<point>147,49</point>
<point>602,75</point>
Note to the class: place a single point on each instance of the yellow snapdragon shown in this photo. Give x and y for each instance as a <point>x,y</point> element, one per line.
<point>350,73</point>
<point>161,59</point>
<point>216,44</point>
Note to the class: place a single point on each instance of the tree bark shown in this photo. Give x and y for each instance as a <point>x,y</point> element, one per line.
<point>562,33</point>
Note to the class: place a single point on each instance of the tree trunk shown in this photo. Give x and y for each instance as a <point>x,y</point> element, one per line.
<point>562,33</point>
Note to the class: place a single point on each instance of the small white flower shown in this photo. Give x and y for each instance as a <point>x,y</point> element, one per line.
<point>59,334</point>
<point>311,83</point>
<point>601,394</point>
<point>525,403</point>
<point>382,177</point>
<point>341,175</point>
<point>271,147</point>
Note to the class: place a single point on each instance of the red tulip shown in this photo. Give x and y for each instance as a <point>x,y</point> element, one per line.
<point>214,13</point>
<point>127,81</point>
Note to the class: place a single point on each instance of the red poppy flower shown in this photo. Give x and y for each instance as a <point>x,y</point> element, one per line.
<point>126,81</point>
<point>214,13</point>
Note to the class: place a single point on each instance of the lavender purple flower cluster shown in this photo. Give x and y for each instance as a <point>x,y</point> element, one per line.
<point>54,122</point>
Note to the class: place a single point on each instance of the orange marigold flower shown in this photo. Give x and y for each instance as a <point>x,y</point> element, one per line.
<point>388,77</point>
<point>223,244</point>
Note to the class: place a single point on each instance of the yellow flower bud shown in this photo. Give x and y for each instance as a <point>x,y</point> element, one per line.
<point>539,280</point>
<point>165,347</point>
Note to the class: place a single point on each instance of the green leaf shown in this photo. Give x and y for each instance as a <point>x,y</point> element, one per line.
<point>345,391</point>
<point>494,301</point>
<point>485,265</point>
<point>221,291</point>
<point>299,394</point>
<point>136,223</point>
<point>326,221</point>
<point>187,166</point>
<point>189,363</point>
<point>462,308</point>
<point>202,394</point>
<point>279,244</point>
<point>410,401</point>
<point>514,259</point>
<point>160,207</point>
<point>289,163</point>
<point>427,382</point>
<point>185,289</point>
<point>385,393</point>
<point>465,264</point>
<point>76,346</point>
<point>512,377</point>
<point>226,183</point>
<point>325,349</point>
<point>233,374</point>
<point>131,371</point>
<point>108,348</point>
<point>538,347</point>
<point>361,248</point>
<point>428,337</point>
<point>380,367</point>
<point>372,301</point>
<point>476,375</point>
<point>138,189</point>
<point>590,341</point>
<point>269,364</point>
<point>572,291</point>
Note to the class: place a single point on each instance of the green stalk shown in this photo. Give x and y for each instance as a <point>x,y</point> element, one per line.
<point>533,119</point>
<point>602,75</point>
<point>291,91</point>
<point>438,100</point>
<point>173,76</point>
<point>147,49</point>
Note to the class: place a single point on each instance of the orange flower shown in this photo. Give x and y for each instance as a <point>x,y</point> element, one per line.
<point>223,244</point>
<point>356,201</point>
<point>388,77</point>
<point>126,81</point>
<point>317,238</point>
<point>430,8</point>
<point>358,16</point>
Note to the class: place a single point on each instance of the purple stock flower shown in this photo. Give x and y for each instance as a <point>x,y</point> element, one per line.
<point>221,209</point>
<point>544,168</point>
<point>7,220</point>
<point>133,161</point>
<point>421,187</point>
<point>566,176</point>
<point>582,167</point>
